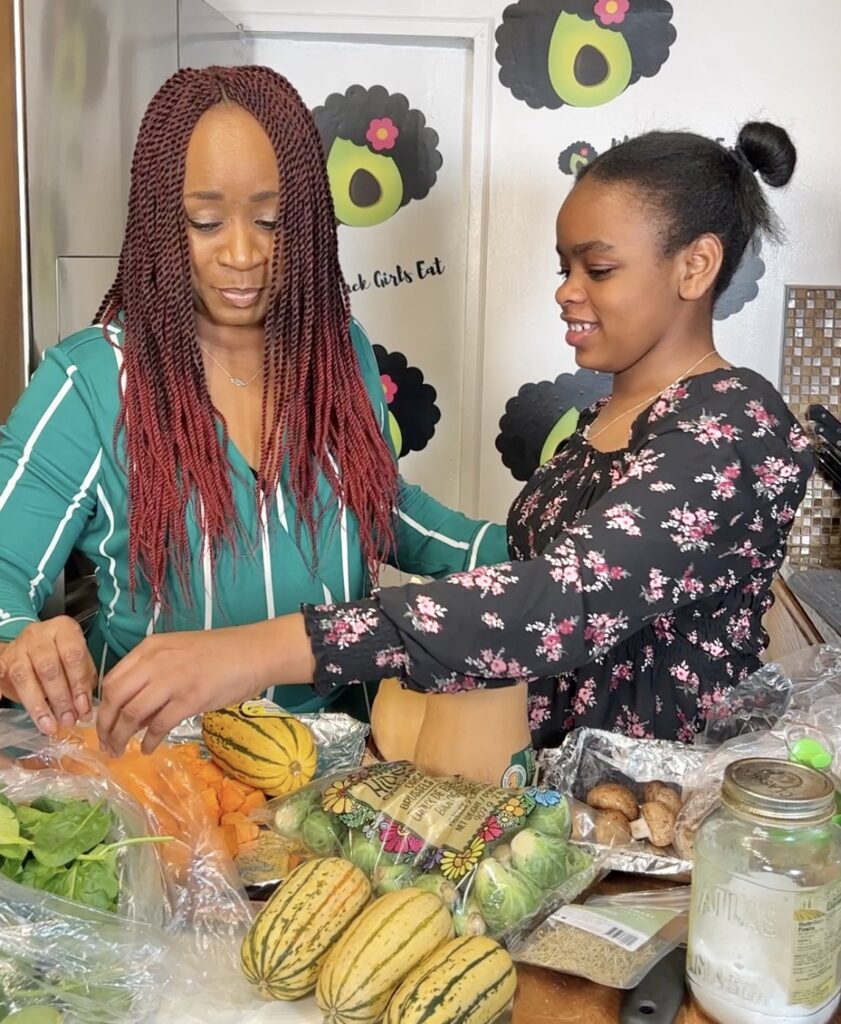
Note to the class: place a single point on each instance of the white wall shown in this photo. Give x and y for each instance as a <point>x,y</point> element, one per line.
<point>731,62</point>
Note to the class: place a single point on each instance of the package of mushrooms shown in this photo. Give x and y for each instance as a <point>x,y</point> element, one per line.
<point>630,794</point>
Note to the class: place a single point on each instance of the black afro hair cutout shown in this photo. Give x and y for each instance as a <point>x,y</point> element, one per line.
<point>410,401</point>
<point>744,287</point>
<point>579,154</point>
<point>531,416</point>
<point>414,150</point>
<point>525,33</point>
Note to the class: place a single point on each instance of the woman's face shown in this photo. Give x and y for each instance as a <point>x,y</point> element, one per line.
<point>231,192</point>
<point>620,295</point>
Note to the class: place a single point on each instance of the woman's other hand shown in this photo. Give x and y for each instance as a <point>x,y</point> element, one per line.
<point>48,669</point>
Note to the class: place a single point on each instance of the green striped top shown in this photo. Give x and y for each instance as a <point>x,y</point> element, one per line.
<point>62,488</point>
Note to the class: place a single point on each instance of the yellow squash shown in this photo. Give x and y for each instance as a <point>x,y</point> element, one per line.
<point>292,934</point>
<point>466,981</point>
<point>269,751</point>
<point>389,939</point>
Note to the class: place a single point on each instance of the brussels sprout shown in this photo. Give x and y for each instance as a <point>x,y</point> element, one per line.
<point>554,820</point>
<point>434,881</point>
<point>577,860</point>
<point>391,877</point>
<point>503,854</point>
<point>290,816</point>
<point>504,897</point>
<point>363,852</point>
<point>542,859</point>
<point>468,920</point>
<point>322,833</point>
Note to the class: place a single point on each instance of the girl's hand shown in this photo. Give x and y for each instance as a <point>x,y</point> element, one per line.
<point>172,676</point>
<point>49,670</point>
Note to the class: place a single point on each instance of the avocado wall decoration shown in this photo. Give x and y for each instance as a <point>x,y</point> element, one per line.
<point>576,156</point>
<point>542,416</point>
<point>412,412</point>
<point>380,153</point>
<point>583,53</point>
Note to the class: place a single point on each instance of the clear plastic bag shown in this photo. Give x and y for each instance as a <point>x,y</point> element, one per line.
<point>804,681</point>
<point>498,858</point>
<point>96,968</point>
<point>180,902</point>
<point>611,940</point>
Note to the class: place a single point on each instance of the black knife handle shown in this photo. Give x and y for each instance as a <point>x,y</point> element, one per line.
<point>659,996</point>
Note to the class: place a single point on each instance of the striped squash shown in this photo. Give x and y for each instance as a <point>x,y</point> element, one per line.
<point>290,937</point>
<point>274,753</point>
<point>386,941</point>
<point>466,981</point>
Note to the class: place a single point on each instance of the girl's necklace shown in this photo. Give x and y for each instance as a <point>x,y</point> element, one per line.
<point>237,382</point>
<point>650,399</point>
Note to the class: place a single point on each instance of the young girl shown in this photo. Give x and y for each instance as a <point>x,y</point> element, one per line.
<point>642,554</point>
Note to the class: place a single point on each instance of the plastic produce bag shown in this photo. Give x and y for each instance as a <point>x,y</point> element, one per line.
<point>182,898</point>
<point>611,940</point>
<point>805,681</point>
<point>496,857</point>
<point>94,967</point>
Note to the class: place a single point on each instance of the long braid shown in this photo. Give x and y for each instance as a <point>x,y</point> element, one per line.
<point>317,420</point>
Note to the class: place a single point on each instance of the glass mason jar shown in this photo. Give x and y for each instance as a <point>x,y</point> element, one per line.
<point>765,917</point>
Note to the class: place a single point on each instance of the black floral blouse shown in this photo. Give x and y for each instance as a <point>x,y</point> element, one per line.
<point>639,578</point>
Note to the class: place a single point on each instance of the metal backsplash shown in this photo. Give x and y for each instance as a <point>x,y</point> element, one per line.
<point>90,68</point>
<point>811,374</point>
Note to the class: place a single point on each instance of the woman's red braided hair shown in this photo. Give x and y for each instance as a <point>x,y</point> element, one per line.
<point>321,419</point>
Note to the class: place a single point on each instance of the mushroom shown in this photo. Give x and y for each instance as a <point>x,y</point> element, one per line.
<point>612,828</point>
<point>656,824</point>
<point>659,792</point>
<point>610,796</point>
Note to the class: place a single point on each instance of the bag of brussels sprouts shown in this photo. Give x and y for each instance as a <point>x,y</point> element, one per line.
<point>498,858</point>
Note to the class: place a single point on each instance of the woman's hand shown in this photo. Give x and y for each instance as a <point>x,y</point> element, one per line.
<point>172,676</point>
<point>49,670</point>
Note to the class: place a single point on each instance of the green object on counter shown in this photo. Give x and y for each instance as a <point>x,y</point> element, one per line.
<point>34,1015</point>
<point>811,753</point>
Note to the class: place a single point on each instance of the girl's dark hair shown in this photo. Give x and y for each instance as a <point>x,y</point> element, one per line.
<point>699,187</point>
<point>320,423</point>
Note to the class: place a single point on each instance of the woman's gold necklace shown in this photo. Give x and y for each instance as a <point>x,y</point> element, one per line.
<point>237,382</point>
<point>650,399</point>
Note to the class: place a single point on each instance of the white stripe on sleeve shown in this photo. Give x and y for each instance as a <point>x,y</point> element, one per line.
<point>72,508</point>
<point>461,545</point>
<point>112,563</point>
<point>36,433</point>
<point>477,543</point>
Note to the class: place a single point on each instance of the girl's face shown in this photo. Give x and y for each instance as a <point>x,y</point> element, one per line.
<point>231,194</point>
<point>620,296</point>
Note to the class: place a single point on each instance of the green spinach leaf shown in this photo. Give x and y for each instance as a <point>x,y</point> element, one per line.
<point>93,882</point>
<point>77,828</point>
<point>12,844</point>
<point>11,868</point>
<point>31,819</point>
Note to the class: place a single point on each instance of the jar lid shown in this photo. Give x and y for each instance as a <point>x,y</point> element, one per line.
<point>778,791</point>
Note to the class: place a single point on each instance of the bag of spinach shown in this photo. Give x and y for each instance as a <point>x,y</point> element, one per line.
<point>94,921</point>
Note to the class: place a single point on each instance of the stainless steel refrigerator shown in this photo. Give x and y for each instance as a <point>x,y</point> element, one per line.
<point>86,70</point>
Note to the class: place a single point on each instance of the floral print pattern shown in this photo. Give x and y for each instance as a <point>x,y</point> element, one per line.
<point>639,581</point>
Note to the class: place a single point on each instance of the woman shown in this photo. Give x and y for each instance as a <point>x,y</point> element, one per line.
<point>643,552</point>
<point>215,445</point>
